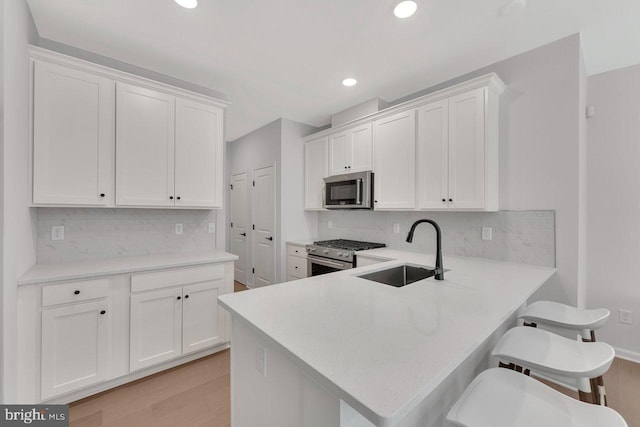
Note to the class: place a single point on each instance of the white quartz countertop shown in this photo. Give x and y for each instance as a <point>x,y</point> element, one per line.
<point>42,273</point>
<point>381,349</point>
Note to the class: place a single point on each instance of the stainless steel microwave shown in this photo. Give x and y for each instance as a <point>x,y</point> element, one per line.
<point>349,191</point>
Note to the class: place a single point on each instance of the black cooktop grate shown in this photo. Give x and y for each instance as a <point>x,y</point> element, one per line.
<point>352,245</point>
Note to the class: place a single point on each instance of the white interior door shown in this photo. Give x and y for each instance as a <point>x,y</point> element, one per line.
<point>240,226</point>
<point>264,223</point>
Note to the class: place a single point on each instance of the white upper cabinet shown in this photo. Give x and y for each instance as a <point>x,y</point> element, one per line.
<point>144,147</point>
<point>105,138</point>
<point>448,160</point>
<point>198,156</point>
<point>351,150</point>
<point>73,125</point>
<point>315,170</point>
<point>395,161</point>
<point>458,152</point>
<point>433,155</point>
<point>466,150</point>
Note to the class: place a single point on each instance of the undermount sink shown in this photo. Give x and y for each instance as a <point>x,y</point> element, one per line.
<point>400,276</point>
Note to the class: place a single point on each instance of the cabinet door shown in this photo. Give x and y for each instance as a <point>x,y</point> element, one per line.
<point>315,169</point>
<point>466,150</point>
<point>75,347</point>
<point>203,321</point>
<point>198,152</point>
<point>433,155</point>
<point>144,147</point>
<point>156,327</point>
<point>339,153</point>
<point>73,126</point>
<point>395,162</point>
<point>361,149</point>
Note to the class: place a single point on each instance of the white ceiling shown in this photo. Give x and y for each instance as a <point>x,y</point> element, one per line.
<point>287,58</point>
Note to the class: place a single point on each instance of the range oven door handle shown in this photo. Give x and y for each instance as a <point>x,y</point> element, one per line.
<point>327,263</point>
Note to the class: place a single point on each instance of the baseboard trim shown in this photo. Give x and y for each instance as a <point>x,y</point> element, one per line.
<point>631,356</point>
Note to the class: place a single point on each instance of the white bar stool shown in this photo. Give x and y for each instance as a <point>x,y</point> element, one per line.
<point>584,322</point>
<point>504,398</point>
<point>562,360</point>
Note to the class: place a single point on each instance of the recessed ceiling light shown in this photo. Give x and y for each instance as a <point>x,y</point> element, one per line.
<point>512,7</point>
<point>405,9</point>
<point>188,4</point>
<point>349,82</point>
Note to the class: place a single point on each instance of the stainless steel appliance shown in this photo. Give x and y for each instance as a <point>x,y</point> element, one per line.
<point>328,256</point>
<point>349,191</point>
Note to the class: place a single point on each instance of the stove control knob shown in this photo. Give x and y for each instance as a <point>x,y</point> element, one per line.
<point>326,251</point>
<point>339,254</point>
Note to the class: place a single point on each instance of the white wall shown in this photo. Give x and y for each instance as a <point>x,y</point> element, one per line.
<point>582,184</point>
<point>613,158</point>
<point>18,221</point>
<point>296,224</point>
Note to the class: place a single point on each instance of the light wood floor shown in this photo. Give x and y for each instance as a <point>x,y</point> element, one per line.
<point>198,394</point>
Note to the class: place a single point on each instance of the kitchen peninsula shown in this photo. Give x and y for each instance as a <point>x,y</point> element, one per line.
<point>339,350</point>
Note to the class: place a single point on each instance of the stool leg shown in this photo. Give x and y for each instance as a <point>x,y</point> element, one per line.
<point>507,366</point>
<point>601,392</point>
<point>597,384</point>
<point>585,397</point>
<point>595,391</point>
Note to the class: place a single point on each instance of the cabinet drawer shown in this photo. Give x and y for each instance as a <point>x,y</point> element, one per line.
<point>297,250</point>
<point>63,293</point>
<point>169,278</point>
<point>297,266</point>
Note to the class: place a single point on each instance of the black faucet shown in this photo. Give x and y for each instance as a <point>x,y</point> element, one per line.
<point>439,271</point>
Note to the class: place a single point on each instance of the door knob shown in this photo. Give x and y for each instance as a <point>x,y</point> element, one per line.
<point>243,234</point>
<point>269,238</point>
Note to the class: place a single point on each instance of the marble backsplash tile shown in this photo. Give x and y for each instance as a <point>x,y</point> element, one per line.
<point>526,237</point>
<point>106,233</point>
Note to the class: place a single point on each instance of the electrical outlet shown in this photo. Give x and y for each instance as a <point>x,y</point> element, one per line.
<point>178,228</point>
<point>261,360</point>
<point>626,317</point>
<point>487,233</point>
<point>212,227</point>
<point>396,228</point>
<point>330,224</point>
<point>57,232</point>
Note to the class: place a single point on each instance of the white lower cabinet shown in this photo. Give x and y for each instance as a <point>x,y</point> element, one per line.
<point>296,262</point>
<point>75,347</point>
<point>203,324</point>
<point>175,321</point>
<point>81,337</point>
<point>156,327</point>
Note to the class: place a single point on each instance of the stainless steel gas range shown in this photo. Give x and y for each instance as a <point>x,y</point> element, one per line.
<point>327,256</point>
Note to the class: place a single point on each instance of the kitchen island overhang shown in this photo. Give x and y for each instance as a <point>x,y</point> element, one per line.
<point>397,356</point>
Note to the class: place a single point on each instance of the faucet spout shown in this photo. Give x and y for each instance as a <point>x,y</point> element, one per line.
<point>439,272</point>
